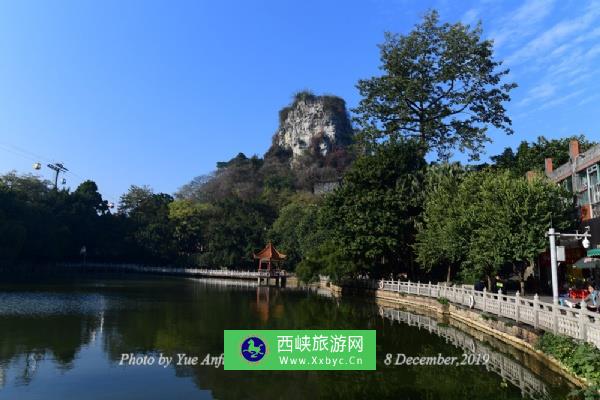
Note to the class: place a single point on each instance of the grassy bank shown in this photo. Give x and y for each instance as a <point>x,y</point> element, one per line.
<point>581,359</point>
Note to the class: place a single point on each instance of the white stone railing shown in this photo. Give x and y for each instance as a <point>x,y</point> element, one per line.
<point>580,324</point>
<point>218,273</point>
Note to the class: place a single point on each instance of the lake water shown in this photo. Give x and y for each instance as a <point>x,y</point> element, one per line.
<point>63,339</point>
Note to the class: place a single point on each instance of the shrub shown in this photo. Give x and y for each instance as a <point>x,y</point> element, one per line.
<point>490,317</point>
<point>582,359</point>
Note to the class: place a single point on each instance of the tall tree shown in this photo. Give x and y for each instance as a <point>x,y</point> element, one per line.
<point>529,208</point>
<point>372,216</point>
<point>295,230</point>
<point>440,86</point>
<point>441,245</point>
<point>133,198</point>
<point>488,220</point>
<point>189,220</point>
<point>150,231</point>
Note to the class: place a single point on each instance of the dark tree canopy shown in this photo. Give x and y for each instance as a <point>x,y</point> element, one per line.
<point>134,198</point>
<point>371,217</point>
<point>440,85</point>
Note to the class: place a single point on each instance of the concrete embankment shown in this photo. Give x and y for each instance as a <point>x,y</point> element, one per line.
<point>520,336</point>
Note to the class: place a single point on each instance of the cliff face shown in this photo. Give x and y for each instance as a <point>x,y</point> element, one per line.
<point>313,124</point>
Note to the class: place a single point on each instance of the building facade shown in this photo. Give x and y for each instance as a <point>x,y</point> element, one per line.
<point>581,176</point>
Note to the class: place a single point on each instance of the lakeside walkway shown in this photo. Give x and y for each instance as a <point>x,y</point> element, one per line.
<point>576,323</point>
<point>579,324</point>
<point>192,272</point>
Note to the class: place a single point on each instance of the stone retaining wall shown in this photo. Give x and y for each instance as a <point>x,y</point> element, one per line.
<point>520,336</point>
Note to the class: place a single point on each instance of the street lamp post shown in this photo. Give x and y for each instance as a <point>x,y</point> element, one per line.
<point>553,264</point>
<point>552,235</point>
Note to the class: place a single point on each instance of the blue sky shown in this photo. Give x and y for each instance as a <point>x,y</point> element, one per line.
<point>142,92</point>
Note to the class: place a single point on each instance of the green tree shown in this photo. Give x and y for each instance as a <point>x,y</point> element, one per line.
<point>13,229</point>
<point>295,231</point>
<point>80,211</point>
<point>327,259</point>
<point>150,232</point>
<point>531,156</point>
<point>487,220</point>
<point>235,230</point>
<point>440,86</point>
<point>488,226</point>
<point>133,198</point>
<point>371,217</point>
<point>189,220</point>
<point>440,239</point>
<point>528,208</point>
<point>88,195</point>
<point>31,220</point>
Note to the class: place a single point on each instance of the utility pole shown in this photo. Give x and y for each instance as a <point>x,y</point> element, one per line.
<point>57,168</point>
<point>553,265</point>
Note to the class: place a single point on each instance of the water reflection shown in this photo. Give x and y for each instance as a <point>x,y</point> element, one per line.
<point>66,340</point>
<point>509,369</point>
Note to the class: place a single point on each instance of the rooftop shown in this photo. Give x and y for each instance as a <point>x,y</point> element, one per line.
<point>582,161</point>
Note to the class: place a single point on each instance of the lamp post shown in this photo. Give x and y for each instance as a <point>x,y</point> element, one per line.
<point>552,235</point>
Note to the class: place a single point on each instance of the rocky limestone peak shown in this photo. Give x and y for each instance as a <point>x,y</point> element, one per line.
<point>316,124</point>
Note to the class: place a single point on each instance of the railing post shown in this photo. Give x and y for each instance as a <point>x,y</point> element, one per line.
<point>536,311</point>
<point>484,299</point>
<point>499,301</point>
<point>429,286</point>
<point>555,318</point>
<point>583,320</point>
<point>517,305</point>
<point>408,289</point>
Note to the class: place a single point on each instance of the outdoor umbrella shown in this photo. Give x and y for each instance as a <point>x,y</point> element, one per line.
<point>594,253</point>
<point>587,263</point>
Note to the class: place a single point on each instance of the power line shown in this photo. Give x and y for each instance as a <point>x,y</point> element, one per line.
<point>21,152</point>
<point>17,152</point>
<point>24,151</point>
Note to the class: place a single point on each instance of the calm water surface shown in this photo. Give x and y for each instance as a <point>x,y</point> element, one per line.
<point>63,339</point>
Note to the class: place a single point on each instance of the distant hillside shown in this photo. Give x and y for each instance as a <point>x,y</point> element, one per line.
<point>309,153</point>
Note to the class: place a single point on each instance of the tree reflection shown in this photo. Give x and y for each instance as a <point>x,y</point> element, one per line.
<point>171,316</point>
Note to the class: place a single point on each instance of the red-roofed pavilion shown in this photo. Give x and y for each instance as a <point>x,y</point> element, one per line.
<point>269,254</point>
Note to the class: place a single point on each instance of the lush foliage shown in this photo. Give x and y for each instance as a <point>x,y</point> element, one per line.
<point>531,156</point>
<point>583,359</point>
<point>482,221</point>
<point>443,242</point>
<point>441,86</point>
<point>370,219</point>
<point>39,224</point>
<point>444,301</point>
<point>295,230</point>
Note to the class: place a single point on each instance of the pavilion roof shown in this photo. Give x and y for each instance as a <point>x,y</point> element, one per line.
<point>270,253</point>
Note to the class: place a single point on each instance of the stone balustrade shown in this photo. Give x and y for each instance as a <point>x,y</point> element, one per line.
<point>579,324</point>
